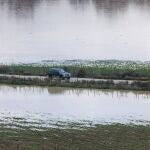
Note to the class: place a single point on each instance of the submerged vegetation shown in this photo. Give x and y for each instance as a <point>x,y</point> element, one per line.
<point>87,69</point>
<point>15,136</point>
<point>105,137</point>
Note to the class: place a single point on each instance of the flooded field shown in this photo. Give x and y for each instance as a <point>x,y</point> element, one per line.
<point>39,107</point>
<point>35,30</point>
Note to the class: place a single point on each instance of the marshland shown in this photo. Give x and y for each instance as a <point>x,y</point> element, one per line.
<point>66,118</point>
<point>106,69</point>
<point>131,75</point>
<point>105,46</point>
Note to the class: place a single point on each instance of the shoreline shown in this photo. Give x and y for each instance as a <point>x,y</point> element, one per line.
<point>96,70</point>
<point>106,137</point>
<point>108,84</point>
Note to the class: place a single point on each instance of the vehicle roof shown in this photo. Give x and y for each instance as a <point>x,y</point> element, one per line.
<point>56,69</point>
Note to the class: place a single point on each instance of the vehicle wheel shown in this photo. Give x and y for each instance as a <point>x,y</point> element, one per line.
<point>60,77</point>
<point>50,76</point>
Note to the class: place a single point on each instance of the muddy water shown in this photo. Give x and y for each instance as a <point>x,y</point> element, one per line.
<point>46,106</point>
<point>33,30</point>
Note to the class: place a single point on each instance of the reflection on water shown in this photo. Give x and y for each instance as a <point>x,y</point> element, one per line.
<point>48,105</point>
<point>116,7</point>
<point>34,30</point>
<point>23,8</point>
<point>70,91</point>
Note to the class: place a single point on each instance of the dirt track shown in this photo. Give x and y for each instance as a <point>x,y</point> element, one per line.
<point>71,80</point>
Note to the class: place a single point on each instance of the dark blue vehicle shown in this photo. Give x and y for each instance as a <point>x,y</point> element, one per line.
<point>58,72</point>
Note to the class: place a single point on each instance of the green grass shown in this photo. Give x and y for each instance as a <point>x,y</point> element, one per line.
<point>105,70</point>
<point>102,137</point>
<point>109,84</point>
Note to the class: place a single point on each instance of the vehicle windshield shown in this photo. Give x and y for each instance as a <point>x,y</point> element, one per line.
<point>62,71</point>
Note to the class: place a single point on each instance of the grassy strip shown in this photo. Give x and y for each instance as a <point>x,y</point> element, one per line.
<point>137,85</point>
<point>101,137</point>
<point>138,72</point>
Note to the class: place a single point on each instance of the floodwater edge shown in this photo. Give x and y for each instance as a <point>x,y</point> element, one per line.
<point>113,137</point>
<point>108,84</point>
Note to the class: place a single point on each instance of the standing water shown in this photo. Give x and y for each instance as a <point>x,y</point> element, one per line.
<point>35,30</point>
<point>47,106</point>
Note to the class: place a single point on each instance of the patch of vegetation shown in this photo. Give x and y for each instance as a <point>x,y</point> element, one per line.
<point>97,69</point>
<point>109,84</point>
<point>101,137</point>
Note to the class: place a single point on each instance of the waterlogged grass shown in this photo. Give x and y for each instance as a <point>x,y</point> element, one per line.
<point>90,69</point>
<point>101,137</point>
<point>108,84</point>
